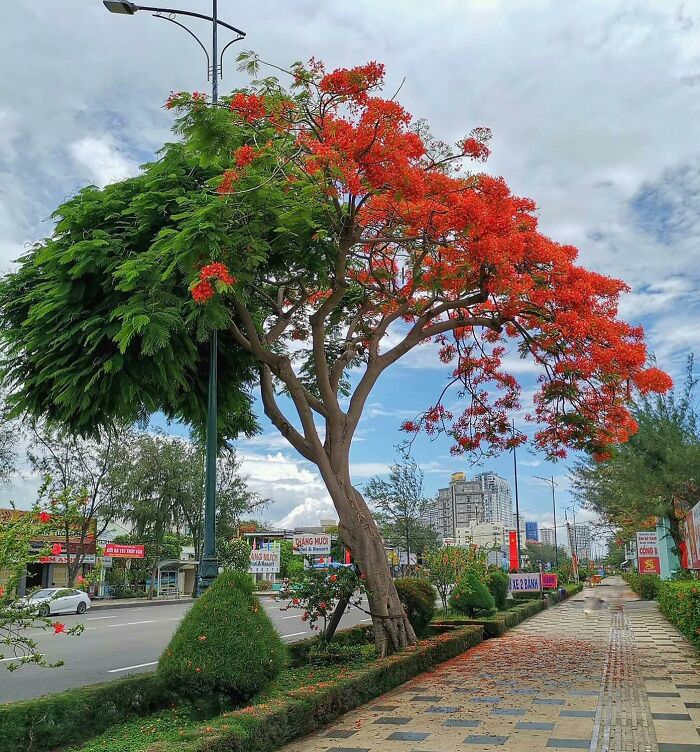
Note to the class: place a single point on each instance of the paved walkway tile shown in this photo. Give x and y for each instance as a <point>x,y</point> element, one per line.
<point>615,679</point>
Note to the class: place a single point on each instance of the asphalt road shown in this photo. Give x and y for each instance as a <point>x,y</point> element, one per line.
<point>119,642</point>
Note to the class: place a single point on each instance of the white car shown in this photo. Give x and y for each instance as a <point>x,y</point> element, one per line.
<point>55,601</point>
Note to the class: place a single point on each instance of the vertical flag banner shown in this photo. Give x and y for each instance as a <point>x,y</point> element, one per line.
<point>513,551</point>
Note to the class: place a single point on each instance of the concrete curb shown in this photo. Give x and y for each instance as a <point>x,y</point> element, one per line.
<point>140,603</point>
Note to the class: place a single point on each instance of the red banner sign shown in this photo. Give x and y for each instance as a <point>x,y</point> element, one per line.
<point>549,581</point>
<point>120,551</point>
<point>513,551</point>
<point>649,565</point>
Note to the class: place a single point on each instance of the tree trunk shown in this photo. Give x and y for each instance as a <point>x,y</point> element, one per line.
<point>336,616</point>
<point>392,630</point>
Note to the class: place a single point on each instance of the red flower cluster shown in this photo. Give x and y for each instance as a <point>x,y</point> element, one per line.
<point>244,155</point>
<point>217,270</point>
<point>250,107</point>
<point>44,516</point>
<point>226,184</point>
<point>353,82</point>
<point>58,627</point>
<point>56,549</point>
<point>204,290</point>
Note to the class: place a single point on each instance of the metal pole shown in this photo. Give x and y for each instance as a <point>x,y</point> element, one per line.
<point>517,504</point>
<point>554,512</point>
<point>209,567</point>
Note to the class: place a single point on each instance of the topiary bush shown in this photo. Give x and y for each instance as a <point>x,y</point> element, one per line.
<point>418,599</point>
<point>472,597</point>
<point>497,582</point>
<point>226,643</point>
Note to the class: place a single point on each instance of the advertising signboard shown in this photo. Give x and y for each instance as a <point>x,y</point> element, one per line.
<point>63,559</point>
<point>550,581</point>
<point>58,535</point>
<point>692,537</point>
<point>122,551</point>
<point>265,560</point>
<point>311,544</point>
<point>649,561</point>
<point>525,583</point>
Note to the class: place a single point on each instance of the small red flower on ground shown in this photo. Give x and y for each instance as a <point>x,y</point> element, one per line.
<point>202,638</point>
<point>59,627</point>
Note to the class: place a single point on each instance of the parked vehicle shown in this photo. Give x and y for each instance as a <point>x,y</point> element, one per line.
<point>49,601</point>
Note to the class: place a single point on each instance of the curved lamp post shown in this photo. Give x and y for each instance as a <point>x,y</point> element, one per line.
<point>209,565</point>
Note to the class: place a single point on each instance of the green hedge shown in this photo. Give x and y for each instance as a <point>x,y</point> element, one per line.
<point>302,711</point>
<point>679,602</point>
<point>299,651</point>
<point>644,585</point>
<point>496,625</point>
<point>78,714</point>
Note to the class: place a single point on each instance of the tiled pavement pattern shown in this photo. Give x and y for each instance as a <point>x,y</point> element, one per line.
<point>616,679</point>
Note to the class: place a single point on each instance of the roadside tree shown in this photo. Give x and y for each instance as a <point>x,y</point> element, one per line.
<point>656,473</point>
<point>445,567</point>
<point>399,505</point>
<point>323,236</point>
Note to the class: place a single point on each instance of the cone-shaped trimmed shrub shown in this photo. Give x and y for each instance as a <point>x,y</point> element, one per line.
<point>472,597</point>
<point>497,582</point>
<point>418,599</point>
<point>225,643</point>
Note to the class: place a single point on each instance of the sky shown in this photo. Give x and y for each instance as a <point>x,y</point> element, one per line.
<point>593,106</point>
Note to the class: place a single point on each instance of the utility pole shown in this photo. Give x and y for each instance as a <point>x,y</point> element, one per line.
<point>517,501</point>
<point>209,565</point>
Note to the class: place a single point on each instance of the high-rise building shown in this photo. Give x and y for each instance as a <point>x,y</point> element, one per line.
<point>498,499</point>
<point>547,536</point>
<point>580,541</point>
<point>459,505</point>
<point>532,531</point>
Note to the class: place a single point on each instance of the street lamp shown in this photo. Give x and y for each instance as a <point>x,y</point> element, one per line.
<point>209,566</point>
<point>550,482</point>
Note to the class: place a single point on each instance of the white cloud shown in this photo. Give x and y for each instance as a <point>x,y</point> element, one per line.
<point>101,160</point>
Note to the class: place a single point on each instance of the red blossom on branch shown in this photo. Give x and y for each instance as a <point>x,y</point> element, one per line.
<point>44,516</point>
<point>56,549</point>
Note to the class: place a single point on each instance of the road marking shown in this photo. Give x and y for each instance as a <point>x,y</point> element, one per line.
<point>95,618</point>
<point>128,668</point>
<point>296,616</point>
<point>294,634</point>
<point>131,623</point>
<point>19,658</point>
<point>365,619</point>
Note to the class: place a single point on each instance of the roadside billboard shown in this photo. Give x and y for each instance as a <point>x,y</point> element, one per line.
<point>265,560</point>
<point>692,537</point>
<point>528,582</point>
<point>125,551</point>
<point>648,559</point>
<point>550,581</point>
<point>311,544</point>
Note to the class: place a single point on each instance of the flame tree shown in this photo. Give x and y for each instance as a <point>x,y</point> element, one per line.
<point>325,235</point>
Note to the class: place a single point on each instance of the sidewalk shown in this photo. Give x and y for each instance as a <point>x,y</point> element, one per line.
<point>109,603</point>
<point>620,678</point>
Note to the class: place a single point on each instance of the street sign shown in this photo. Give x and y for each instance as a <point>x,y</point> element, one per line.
<point>525,583</point>
<point>308,544</point>
<point>448,541</point>
<point>648,558</point>
<point>122,551</point>
<point>265,560</point>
